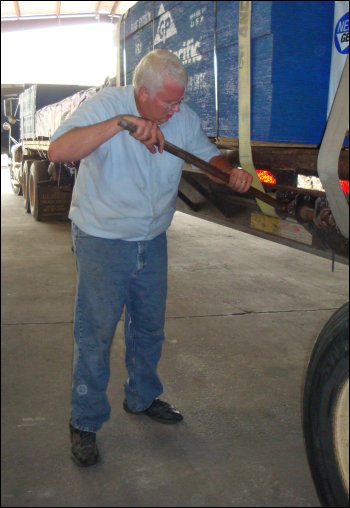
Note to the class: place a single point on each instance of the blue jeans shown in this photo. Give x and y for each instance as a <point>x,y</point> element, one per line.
<point>112,274</point>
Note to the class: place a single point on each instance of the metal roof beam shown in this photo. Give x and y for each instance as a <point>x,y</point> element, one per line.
<point>17,9</point>
<point>114,8</point>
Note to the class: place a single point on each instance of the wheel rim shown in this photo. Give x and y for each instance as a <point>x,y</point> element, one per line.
<point>341,433</point>
<point>24,187</point>
<point>31,191</point>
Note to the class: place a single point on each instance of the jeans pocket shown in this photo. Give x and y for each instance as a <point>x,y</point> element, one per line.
<point>77,232</point>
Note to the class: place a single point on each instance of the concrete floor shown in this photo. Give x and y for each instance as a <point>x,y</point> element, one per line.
<point>242,316</point>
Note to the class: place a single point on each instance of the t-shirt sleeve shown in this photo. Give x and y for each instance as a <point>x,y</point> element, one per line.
<point>90,112</point>
<point>196,141</point>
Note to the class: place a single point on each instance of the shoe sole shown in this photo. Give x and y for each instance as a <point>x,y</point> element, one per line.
<point>81,464</point>
<point>160,420</point>
<point>155,418</point>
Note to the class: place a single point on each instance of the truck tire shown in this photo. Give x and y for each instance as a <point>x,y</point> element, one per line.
<point>326,411</point>
<point>25,184</point>
<point>38,173</point>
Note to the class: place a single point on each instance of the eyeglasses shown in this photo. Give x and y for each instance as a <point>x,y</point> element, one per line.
<point>170,106</point>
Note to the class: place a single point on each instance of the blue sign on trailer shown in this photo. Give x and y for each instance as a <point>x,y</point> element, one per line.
<point>291,45</point>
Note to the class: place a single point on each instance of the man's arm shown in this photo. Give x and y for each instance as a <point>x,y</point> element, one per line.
<point>240,180</point>
<point>79,142</point>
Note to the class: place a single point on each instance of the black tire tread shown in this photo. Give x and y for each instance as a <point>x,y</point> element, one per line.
<point>328,369</point>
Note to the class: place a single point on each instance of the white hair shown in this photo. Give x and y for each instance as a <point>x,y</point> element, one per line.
<point>156,67</point>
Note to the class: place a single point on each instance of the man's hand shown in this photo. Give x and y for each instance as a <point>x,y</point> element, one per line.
<point>147,132</point>
<point>240,180</point>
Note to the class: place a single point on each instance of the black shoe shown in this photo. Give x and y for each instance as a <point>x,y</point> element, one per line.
<point>84,449</point>
<point>158,410</point>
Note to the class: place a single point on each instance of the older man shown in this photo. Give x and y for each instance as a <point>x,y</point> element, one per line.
<point>123,202</point>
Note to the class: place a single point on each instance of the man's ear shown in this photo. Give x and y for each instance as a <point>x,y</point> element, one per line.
<point>143,94</point>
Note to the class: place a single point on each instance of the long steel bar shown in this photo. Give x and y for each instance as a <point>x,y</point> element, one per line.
<point>205,166</point>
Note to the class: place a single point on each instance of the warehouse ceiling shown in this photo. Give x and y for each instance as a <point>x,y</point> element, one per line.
<point>31,15</point>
